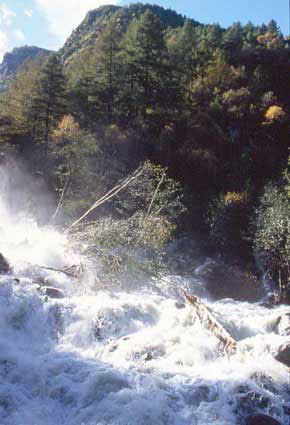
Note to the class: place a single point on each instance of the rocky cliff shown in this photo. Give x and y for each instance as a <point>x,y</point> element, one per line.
<point>14,59</point>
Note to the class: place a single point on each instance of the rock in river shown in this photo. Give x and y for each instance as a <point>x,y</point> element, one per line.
<point>282,326</point>
<point>51,292</point>
<point>283,354</point>
<point>4,265</point>
<point>261,419</point>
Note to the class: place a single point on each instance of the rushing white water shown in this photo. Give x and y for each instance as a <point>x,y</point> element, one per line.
<point>115,357</point>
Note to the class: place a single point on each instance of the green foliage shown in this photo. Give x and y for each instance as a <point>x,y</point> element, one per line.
<point>287,178</point>
<point>228,218</point>
<point>84,36</point>
<point>143,219</point>
<point>50,100</point>
<point>144,85</point>
<point>35,103</point>
<point>78,159</point>
<point>153,192</point>
<point>144,66</point>
<point>272,233</point>
<point>19,110</point>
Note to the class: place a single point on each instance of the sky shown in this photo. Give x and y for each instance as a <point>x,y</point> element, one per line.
<point>48,23</point>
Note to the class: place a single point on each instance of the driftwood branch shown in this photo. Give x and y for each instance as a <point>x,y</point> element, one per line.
<point>72,271</point>
<point>60,201</point>
<point>148,215</point>
<point>109,195</point>
<point>155,193</point>
<point>207,317</point>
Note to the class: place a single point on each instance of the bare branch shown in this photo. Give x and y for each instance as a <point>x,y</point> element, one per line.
<point>109,195</point>
<point>60,202</point>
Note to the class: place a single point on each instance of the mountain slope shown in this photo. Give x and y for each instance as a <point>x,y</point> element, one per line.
<point>13,60</point>
<point>95,21</point>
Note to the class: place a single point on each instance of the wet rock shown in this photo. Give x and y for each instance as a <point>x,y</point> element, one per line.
<point>278,297</point>
<point>56,321</point>
<point>283,354</point>
<point>252,401</point>
<point>6,366</point>
<point>264,381</point>
<point>4,265</point>
<point>229,281</point>
<point>179,305</point>
<point>273,299</point>
<point>52,292</point>
<point>282,326</point>
<point>148,357</point>
<point>198,395</point>
<point>202,393</point>
<point>261,419</point>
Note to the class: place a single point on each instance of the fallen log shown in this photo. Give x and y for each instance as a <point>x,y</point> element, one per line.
<point>51,292</point>
<point>72,271</point>
<point>207,317</point>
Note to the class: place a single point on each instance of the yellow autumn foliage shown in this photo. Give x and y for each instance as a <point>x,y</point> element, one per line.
<point>274,113</point>
<point>67,129</point>
<point>235,197</point>
<point>269,40</point>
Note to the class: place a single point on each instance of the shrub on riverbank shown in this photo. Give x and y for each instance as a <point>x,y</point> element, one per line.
<point>271,237</point>
<point>228,219</point>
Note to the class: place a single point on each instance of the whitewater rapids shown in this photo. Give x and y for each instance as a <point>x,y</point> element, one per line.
<point>115,357</point>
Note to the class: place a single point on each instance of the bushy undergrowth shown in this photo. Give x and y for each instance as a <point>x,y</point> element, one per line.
<point>271,238</point>
<point>141,221</point>
<point>228,218</point>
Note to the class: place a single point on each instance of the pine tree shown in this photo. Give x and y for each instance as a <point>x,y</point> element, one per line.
<point>51,98</point>
<point>144,61</point>
<point>107,82</point>
<point>20,108</point>
<point>185,51</point>
<point>272,27</point>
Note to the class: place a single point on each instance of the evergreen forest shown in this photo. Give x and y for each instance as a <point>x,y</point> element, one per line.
<point>148,127</point>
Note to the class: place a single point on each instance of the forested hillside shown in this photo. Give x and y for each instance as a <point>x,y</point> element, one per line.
<point>203,112</point>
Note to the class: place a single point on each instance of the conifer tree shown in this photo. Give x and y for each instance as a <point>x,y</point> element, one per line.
<point>20,107</point>
<point>51,98</point>
<point>107,83</point>
<point>144,60</point>
<point>185,51</point>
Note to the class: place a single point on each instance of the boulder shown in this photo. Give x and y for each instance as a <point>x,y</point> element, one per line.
<point>252,401</point>
<point>282,326</point>
<point>283,354</point>
<point>264,381</point>
<point>52,292</point>
<point>277,298</point>
<point>260,419</point>
<point>4,265</point>
<point>223,280</point>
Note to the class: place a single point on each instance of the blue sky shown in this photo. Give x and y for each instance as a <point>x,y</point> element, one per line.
<point>47,23</point>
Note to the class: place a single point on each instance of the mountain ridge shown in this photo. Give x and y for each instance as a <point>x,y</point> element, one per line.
<point>86,33</point>
<point>14,59</point>
<point>96,19</point>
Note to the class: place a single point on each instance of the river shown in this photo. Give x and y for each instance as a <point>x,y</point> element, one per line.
<point>117,356</point>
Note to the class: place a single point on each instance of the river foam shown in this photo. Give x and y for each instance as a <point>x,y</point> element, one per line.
<point>102,356</point>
